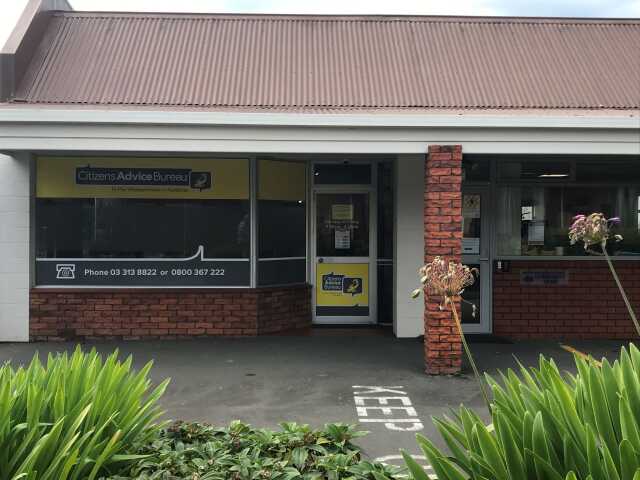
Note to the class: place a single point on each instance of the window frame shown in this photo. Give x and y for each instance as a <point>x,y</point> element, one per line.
<point>252,259</point>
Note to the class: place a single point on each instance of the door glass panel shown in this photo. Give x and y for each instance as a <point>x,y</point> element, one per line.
<point>342,225</point>
<point>471,224</point>
<point>470,306</point>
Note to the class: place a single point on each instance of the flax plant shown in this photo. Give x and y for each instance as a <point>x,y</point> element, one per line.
<point>596,230</point>
<point>75,417</point>
<point>448,280</point>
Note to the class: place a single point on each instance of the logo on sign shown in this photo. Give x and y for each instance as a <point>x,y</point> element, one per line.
<point>352,285</point>
<point>339,283</point>
<point>143,177</point>
<point>65,271</point>
<point>332,282</point>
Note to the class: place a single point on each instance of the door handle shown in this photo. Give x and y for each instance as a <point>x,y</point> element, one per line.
<point>482,259</point>
<point>320,260</point>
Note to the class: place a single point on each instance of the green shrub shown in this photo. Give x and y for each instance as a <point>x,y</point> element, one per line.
<point>74,417</point>
<point>239,452</point>
<point>548,426</point>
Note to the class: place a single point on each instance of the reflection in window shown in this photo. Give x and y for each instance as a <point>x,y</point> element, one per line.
<point>282,229</point>
<point>141,228</point>
<point>534,220</point>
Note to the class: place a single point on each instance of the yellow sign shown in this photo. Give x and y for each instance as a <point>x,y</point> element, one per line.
<point>342,285</point>
<point>280,180</point>
<point>142,177</point>
<point>341,211</point>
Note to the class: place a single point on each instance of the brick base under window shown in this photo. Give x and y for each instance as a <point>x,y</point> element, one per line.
<point>167,314</point>
<point>589,306</point>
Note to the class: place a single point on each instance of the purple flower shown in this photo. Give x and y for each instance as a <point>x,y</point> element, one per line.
<point>594,229</point>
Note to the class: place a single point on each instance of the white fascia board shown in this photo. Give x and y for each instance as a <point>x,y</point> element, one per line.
<point>39,115</point>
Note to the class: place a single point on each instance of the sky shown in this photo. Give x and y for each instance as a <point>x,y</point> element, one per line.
<point>11,9</point>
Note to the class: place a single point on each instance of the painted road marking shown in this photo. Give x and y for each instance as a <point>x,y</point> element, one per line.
<point>398,461</point>
<point>386,401</point>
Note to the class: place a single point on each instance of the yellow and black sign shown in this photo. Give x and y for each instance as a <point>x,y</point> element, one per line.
<point>142,177</point>
<point>342,289</point>
<point>281,180</point>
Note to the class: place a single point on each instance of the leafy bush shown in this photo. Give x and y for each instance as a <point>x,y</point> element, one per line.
<point>239,452</point>
<point>548,426</point>
<point>74,417</point>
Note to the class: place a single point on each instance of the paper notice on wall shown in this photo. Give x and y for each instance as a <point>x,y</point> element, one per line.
<point>341,211</point>
<point>342,239</point>
<point>535,235</point>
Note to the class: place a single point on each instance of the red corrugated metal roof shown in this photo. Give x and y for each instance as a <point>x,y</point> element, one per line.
<point>335,62</point>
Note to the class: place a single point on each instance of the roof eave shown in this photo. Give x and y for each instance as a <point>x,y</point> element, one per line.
<point>628,119</point>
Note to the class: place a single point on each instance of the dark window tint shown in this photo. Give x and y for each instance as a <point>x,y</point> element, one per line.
<point>342,225</point>
<point>282,229</point>
<point>282,271</point>
<point>475,169</point>
<point>341,174</point>
<point>141,228</point>
<point>609,171</point>
<point>535,170</point>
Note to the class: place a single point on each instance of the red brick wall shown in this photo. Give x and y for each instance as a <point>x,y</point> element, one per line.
<point>144,313</point>
<point>442,237</point>
<point>589,306</point>
<point>281,309</point>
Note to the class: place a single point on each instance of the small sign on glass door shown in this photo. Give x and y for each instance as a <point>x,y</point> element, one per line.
<point>342,211</point>
<point>342,239</point>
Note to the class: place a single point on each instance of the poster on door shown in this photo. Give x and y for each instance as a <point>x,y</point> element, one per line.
<point>342,289</point>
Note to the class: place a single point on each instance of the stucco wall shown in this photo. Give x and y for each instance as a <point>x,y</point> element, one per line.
<point>15,187</point>
<point>409,244</point>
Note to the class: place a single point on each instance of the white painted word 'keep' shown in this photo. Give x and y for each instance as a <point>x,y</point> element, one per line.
<point>391,403</point>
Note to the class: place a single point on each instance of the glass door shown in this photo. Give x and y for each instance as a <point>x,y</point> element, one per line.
<point>476,305</point>
<point>344,290</point>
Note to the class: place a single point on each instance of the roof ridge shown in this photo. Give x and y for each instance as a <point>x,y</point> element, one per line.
<point>359,18</point>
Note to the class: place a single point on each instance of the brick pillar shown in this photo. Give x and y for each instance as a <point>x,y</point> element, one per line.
<point>442,237</point>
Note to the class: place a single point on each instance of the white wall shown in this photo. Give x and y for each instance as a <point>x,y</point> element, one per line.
<point>409,244</point>
<point>15,187</point>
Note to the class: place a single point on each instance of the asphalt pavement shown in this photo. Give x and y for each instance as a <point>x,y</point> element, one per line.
<point>375,381</point>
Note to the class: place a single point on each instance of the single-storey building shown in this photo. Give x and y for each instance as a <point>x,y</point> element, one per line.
<point>174,175</point>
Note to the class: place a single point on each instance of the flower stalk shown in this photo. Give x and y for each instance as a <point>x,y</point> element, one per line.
<point>448,281</point>
<point>596,229</point>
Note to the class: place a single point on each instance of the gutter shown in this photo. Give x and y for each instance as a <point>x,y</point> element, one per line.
<point>42,116</point>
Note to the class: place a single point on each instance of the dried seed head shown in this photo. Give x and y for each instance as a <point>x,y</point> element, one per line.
<point>446,279</point>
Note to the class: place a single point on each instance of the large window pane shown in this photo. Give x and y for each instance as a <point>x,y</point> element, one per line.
<point>138,228</point>
<point>142,221</point>
<point>534,220</point>
<point>281,222</point>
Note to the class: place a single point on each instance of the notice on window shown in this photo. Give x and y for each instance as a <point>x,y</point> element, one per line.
<point>342,240</point>
<point>471,206</point>
<point>342,212</point>
<point>535,235</point>
<point>342,289</point>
